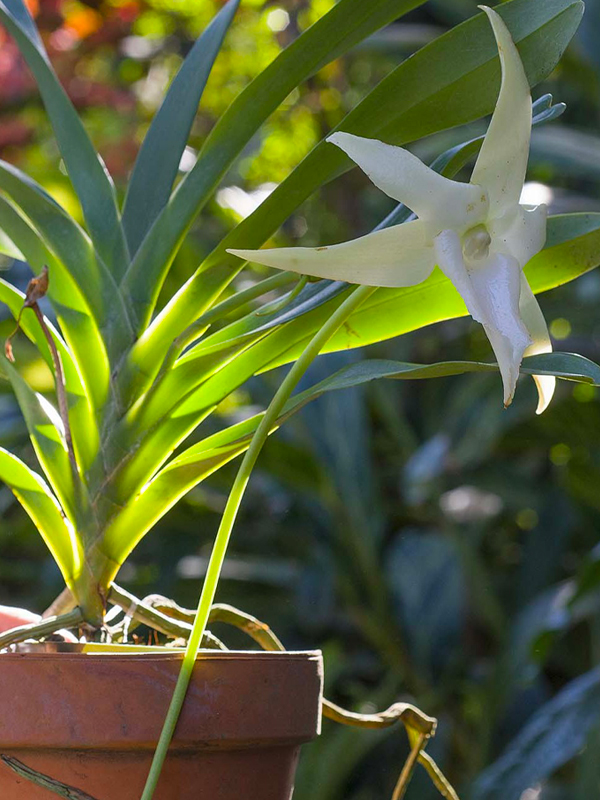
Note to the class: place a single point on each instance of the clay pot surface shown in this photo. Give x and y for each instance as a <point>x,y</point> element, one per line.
<point>92,721</point>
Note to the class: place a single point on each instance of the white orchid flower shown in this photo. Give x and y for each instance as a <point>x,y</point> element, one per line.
<point>478,233</point>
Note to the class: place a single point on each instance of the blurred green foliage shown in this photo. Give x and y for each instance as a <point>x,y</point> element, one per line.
<point>433,545</point>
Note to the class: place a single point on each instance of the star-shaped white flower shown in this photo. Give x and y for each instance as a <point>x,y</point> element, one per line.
<point>478,233</point>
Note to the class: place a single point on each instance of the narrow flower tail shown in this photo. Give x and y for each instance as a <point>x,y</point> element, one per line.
<point>532,316</point>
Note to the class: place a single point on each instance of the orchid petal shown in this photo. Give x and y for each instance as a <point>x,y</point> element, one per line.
<point>497,285</point>
<point>491,290</point>
<point>395,256</point>
<point>502,161</point>
<point>401,175</point>
<point>521,234</point>
<point>532,316</point>
<point>449,256</point>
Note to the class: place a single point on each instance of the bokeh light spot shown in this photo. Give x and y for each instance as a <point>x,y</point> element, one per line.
<point>527,519</point>
<point>278,19</point>
<point>560,328</point>
<point>560,454</point>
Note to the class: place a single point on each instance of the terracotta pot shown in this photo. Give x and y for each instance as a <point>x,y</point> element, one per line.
<point>92,721</point>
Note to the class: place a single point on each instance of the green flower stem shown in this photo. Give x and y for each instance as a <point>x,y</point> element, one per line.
<point>352,302</point>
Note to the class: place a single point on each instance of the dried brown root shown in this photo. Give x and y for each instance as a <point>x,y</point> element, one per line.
<point>45,781</point>
<point>419,726</point>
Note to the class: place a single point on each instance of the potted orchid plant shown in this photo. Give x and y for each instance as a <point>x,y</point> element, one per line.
<point>133,380</point>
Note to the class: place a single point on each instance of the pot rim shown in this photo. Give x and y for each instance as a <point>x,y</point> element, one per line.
<point>65,650</point>
<point>117,702</point>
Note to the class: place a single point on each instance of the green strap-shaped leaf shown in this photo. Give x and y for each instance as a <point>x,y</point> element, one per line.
<point>449,82</point>
<point>72,247</point>
<point>158,160</point>
<point>43,508</point>
<point>81,416</point>
<point>9,248</point>
<point>59,232</point>
<point>77,325</point>
<point>204,458</point>
<point>348,23</point>
<point>573,247</point>
<point>132,469</point>
<point>41,420</point>
<point>88,175</point>
<point>179,382</point>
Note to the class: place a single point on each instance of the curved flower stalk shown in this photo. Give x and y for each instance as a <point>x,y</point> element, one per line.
<point>478,233</point>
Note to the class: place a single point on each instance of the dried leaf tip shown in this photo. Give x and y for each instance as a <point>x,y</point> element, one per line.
<point>37,288</point>
<point>8,351</point>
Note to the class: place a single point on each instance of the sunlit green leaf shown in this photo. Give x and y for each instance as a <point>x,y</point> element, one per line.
<point>49,445</point>
<point>80,330</point>
<point>75,253</point>
<point>35,497</point>
<point>204,458</point>
<point>83,423</point>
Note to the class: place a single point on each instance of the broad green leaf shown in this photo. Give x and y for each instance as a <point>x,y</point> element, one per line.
<point>187,374</point>
<point>348,22</point>
<point>74,250</point>
<point>449,82</point>
<point>204,458</point>
<point>573,247</point>
<point>158,160</point>
<point>37,500</point>
<point>81,416</point>
<point>59,232</point>
<point>554,735</point>
<point>80,330</point>
<point>41,420</point>
<point>9,248</point>
<point>88,175</point>
<point>130,474</point>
